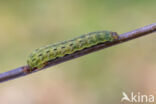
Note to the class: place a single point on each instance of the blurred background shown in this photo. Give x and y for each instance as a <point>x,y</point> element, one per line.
<point>97,78</point>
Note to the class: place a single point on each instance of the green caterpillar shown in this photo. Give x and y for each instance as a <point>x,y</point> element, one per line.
<point>39,58</point>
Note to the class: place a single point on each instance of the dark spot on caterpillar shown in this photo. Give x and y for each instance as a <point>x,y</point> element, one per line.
<point>71,44</point>
<point>55,49</point>
<point>62,47</point>
<point>40,54</point>
<point>80,41</point>
<point>55,58</point>
<point>66,55</point>
<point>47,51</point>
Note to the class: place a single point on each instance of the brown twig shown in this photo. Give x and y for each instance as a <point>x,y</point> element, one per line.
<point>22,71</point>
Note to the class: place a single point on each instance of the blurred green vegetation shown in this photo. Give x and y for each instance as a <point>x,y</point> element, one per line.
<point>97,78</point>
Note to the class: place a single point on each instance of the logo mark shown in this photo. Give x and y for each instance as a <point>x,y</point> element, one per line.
<point>125,97</point>
<point>137,98</point>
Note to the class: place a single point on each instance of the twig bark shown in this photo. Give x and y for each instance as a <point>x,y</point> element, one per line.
<point>25,70</point>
